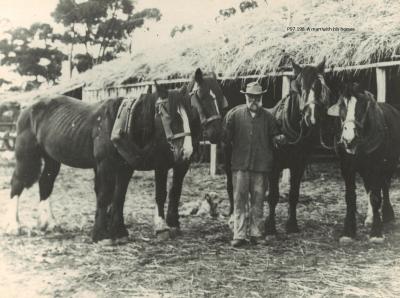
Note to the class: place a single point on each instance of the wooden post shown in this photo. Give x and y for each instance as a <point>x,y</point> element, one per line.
<point>381,84</point>
<point>285,91</point>
<point>213,160</point>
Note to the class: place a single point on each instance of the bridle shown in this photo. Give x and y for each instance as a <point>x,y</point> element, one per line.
<point>358,124</point>
<point>162,111</point>
<point>205,121</point>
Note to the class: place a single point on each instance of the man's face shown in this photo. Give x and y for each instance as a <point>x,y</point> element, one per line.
<point>253,102</point>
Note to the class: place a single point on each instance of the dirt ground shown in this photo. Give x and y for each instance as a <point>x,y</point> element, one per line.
<point>200,262</point>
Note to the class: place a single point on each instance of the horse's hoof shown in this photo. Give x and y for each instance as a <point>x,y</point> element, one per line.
<point>175,232</point>
<point>368,221</point>
<point>345,240</point>
<point>48,226</point>
<point>291,229</point>
<point>12,228</point>
<point>376,240</point>
<point>106,242</point>
<point>163,235</point>
<point>122,240</point>
<point>270,238</point>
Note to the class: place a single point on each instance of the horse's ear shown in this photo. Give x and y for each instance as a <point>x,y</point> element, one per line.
<point>198,76</point>
<point>183,90</point>
<point>161,91</point>
<point>321,66</point>
<point>296,68</point>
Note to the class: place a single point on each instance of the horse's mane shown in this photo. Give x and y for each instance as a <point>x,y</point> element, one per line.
<point>176,98</point>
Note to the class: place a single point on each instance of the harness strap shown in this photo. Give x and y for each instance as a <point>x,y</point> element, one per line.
<point>131,108</point>
<point>212,118</point>
<point>204,120</point>
<point>180,135</point>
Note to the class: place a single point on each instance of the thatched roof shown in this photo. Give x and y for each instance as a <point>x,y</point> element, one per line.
<point>253,43</point>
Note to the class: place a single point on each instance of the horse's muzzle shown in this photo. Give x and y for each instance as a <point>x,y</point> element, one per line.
<point>182,155</point>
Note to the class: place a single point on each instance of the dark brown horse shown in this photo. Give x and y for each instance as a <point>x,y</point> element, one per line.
<point>368,142</point>
<point>61,130</point>
<point>299,115</point>
<point>207,101</point>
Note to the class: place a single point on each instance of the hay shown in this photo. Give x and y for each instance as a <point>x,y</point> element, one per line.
<point>253,43</point>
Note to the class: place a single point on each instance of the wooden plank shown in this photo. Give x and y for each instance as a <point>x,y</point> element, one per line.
<point>285,91</point>
<point>213,160</point>
<point>381,84</point>
<point>285,85</point>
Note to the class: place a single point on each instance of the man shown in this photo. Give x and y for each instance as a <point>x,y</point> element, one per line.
<point>252,131</point>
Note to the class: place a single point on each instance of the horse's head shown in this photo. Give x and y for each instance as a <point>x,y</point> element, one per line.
<point>207,98</point>
<point>173,111</point>
<point>313,93</point>
<point>353,108</point>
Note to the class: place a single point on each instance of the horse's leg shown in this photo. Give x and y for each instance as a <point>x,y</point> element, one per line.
<point>26,173</point>
<point>376,202</point>
<point>296,174</point>
<point>174,194</point>
<point>368,218</point>
<point>104,185</point>
<point>273,199</point>
<point>387,209</point>
<point>117,226</point>
<point>228,171</point>
<point>349,176</point>
<point>46,220</point>
<point>161,176</point>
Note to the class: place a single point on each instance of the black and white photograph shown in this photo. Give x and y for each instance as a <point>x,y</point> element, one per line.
<point>199,148</point>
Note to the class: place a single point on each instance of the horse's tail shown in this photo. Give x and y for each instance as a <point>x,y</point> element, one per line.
<point>28,155</point>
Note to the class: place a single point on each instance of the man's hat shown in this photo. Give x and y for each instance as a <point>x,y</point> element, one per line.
<point>253,88</point>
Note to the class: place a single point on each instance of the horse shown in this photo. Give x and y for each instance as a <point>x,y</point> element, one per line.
<point>298,115</point>
<point>207,100</point>
<point>61,130</point>
<point>368,142</point>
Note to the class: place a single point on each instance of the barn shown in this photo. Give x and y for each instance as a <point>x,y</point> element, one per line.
<point>360,42</point>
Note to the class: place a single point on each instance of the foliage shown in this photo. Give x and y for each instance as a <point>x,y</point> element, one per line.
<point>101,24</point>
<point>226,13</point>
<point>44,63</point>
<point>181,29</point>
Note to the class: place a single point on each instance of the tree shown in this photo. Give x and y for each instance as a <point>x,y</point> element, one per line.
<point>180,29</point>
<point>101,24</point>
<point>44,63</point>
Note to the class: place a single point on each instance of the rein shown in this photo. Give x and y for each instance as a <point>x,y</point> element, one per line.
<point>288,127</point>
<point>321,141</point>
<point>161,110</point>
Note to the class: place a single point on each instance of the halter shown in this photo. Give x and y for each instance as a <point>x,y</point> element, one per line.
<point>213,117</point>
<point>161,110</point>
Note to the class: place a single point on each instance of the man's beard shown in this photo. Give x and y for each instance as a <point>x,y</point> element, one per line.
<point>253,107</point>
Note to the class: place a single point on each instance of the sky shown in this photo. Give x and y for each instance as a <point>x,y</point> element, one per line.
<point>15,13</point>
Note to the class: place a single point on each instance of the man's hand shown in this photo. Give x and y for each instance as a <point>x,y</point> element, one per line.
<point>279,140</point>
